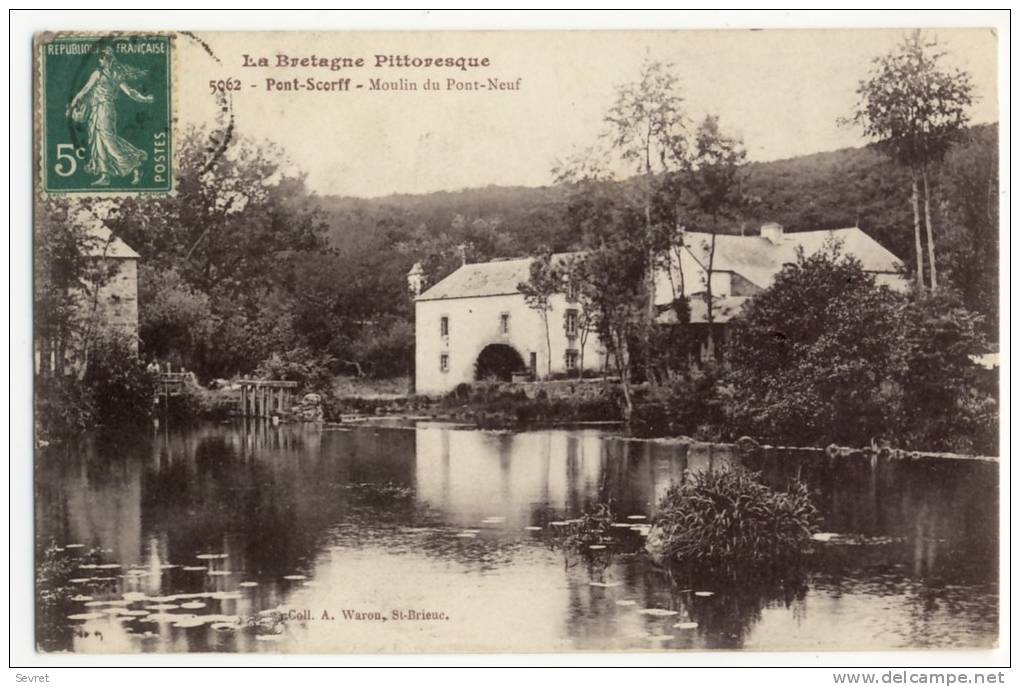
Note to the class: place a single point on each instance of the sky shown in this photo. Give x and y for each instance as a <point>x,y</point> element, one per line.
<point>782,91</point>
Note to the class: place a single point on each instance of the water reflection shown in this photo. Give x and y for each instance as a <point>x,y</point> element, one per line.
<point>259,538</point>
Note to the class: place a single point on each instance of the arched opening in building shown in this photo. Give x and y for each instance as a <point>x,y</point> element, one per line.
<point>498,361</point>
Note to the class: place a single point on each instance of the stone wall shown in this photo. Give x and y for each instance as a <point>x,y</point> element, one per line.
<point>576,389</point>
<point>118,300</point>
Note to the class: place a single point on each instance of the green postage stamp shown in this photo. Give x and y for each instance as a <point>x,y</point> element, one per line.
<point>105,117</point>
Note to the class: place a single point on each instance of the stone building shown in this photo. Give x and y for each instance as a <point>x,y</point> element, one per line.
<point>107,302</point>
<point>743,266</point>
<point>117,298</point>
<point>476,324</point>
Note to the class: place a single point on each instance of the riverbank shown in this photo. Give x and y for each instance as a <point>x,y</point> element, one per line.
<point>535,405</point>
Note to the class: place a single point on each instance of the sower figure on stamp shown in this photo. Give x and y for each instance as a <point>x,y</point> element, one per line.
<point>109,154</point>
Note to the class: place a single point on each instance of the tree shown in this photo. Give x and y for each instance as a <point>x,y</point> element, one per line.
<point>543,283</point>
<point>613,262</point>
<point>969,181</point>
<point>713,185</point>
<point>223,248</point>
<point>70,271</point>
<point>648,129</point>
<point>582,291</point>
<point>809,354</point>
<point>916,109</point>
<point>825,354</point>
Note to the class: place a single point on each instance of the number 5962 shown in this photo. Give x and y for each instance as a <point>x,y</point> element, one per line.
<point>224,85</point>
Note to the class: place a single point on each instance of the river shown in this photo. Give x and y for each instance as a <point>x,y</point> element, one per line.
<point>436,538</point>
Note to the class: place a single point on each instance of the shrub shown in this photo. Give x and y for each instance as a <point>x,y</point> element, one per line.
<point>312,371</point>
<point>592,528</point>
<point>692,405</point>
<point>827,355</point>
<point>729,524</point>
<point>122,390</point>
<point>63,407</point>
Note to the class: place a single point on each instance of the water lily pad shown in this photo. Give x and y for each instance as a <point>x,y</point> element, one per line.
<point>220,573</point>
<point>824,536</point>
<point>79,580</point>
<point>81,597</point>
<point>637,517</point>
<point>226,595</point>
<point>533,528</point>
<point>471,531</point>
<point>163,617</point>
<point>168,566</point>
<point>604,584</point>
<point>295,577</point>
<point>704,594</point>
<point>194,621</point>
<point>194,568</point>
<point>212,556</point>
<point>108,566</point>
<point>74,546</point>
<point>658,612</point>
<point>162,607</point>
<point>494,520</point>
<point>690,625</point>
<point>627,525</point>
<point>466,535</point>
<point>191,605</point>
<point>88,566</point>
<point>626,602</point>
<point>248,584</point>
<point>85,616</point>
<point>596,547</point>
<point>558,523</point>
<point>134,612</point>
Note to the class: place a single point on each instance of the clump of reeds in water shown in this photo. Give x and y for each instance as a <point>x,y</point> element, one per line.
<point>729,524</point>
<point>590,530</point>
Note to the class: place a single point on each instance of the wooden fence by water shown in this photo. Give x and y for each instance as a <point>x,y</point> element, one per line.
<point>265,398</point>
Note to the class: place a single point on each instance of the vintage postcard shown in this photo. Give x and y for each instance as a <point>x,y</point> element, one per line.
<point>516,341</point>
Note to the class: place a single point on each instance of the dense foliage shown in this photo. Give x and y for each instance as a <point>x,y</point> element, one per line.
<point>826,355</point>
<point>727,524</point>
<point>113,389</point>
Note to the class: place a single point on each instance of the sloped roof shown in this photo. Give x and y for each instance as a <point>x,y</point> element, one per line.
<point>496,278</point>
<point>103,244</point>
<point>759,260</point>
<point>724,309</point>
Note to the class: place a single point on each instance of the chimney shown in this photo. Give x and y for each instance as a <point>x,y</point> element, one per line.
<point>463,253</point>
<point>416,279</point>
<point>773,231</point>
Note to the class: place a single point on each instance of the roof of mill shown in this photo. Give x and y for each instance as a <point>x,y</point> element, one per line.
<point>759,260</point>
<point>103,244</point>
<point>495,278</point>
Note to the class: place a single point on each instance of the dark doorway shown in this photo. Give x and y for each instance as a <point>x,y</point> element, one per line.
<point>498,361</point>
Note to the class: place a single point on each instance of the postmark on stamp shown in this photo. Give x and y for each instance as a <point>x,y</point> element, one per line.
<point>105,118</point>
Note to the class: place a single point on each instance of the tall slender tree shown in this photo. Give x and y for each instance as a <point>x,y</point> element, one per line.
<point>916,108</point>
<point>648,129</point>
<point>544,281</point>
<point>713,185</point>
